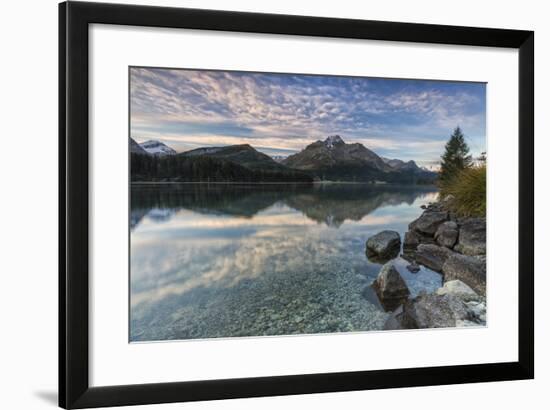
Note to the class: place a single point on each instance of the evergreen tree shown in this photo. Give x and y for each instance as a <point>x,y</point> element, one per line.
<point>456,157</point>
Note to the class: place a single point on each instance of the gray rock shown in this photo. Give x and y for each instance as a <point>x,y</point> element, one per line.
<point>394,321</point>
<point>435,206</point>
<point>456,287</point>
<point>413,238</point>
<point>432,256</point>
<point>384,245</point>
<point>430,311</point>
<point>429,221</point>
<point>389,284</point>
<point>447,234</point>
<point>468,269</point>
<point>472,238</point>
<point>478,310</point>
<point>413,267</point>
<point>466,323</point>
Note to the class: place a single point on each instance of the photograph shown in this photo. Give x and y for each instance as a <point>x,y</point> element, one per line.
<point>278,204</point>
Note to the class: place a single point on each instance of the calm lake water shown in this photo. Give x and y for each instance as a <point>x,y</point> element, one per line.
<point>221,260</point>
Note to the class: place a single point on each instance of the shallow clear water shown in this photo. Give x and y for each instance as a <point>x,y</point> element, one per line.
<point>222,260</point>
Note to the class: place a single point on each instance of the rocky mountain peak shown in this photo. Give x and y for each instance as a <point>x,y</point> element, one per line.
<point>333,140</point>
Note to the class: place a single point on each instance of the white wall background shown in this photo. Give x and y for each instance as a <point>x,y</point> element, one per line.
<point>28,204</point>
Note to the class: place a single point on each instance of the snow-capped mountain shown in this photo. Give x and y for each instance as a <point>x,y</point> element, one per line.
<point>135,148</point>
<point>155,147</point>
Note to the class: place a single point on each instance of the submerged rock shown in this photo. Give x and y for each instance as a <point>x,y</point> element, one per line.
<point>430,311</point>
<point>432,256</point>
<point>389,284</point>
<point>472,239</point>
<point>384,245</point>
<point>447,234</point>
<point>394,322</point>
<point>468,269</point>
<point>413,267</point>
<point>429,221</point>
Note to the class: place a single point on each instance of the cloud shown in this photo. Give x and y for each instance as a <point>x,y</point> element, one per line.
<point>283,113</point>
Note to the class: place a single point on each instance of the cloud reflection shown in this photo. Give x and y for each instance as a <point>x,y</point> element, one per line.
<point>208,250</point>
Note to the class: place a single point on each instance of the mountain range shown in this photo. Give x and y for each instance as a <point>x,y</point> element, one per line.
<point>334,159</point>
<point>331,159</point>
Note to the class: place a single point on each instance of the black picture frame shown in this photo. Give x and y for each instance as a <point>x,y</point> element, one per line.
<point>74,20</point>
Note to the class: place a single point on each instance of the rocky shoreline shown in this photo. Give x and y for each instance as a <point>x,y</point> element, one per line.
<point>451,245</point>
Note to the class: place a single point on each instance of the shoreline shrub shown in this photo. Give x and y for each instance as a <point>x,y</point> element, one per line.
<point>469,189</point>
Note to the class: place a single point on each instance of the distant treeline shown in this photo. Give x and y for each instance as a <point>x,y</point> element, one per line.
<point>179,168</point>
<point>362,173</point>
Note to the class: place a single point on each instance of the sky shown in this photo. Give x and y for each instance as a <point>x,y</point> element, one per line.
<point>280,114</point>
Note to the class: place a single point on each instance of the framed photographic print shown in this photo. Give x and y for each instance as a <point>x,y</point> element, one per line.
<point>255,204</point>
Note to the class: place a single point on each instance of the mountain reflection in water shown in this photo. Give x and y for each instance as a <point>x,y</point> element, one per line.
<point>331,204</point>
<point>225,260</point>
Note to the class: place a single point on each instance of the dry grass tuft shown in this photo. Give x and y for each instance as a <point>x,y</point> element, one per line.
<point>469,190</point>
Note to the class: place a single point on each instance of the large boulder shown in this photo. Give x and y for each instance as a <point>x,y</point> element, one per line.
<point>470,270</point>
<point>429,221</point>
<point>411,240</point>
<point>384,245</point>
<point>430,311</point>
<point>447,234</point>
<point>472,238</point>
<point>458,288</point>
<point>432,256</point>
<point>389,284</point>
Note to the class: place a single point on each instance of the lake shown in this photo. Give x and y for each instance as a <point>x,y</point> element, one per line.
<point>229,260</point>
